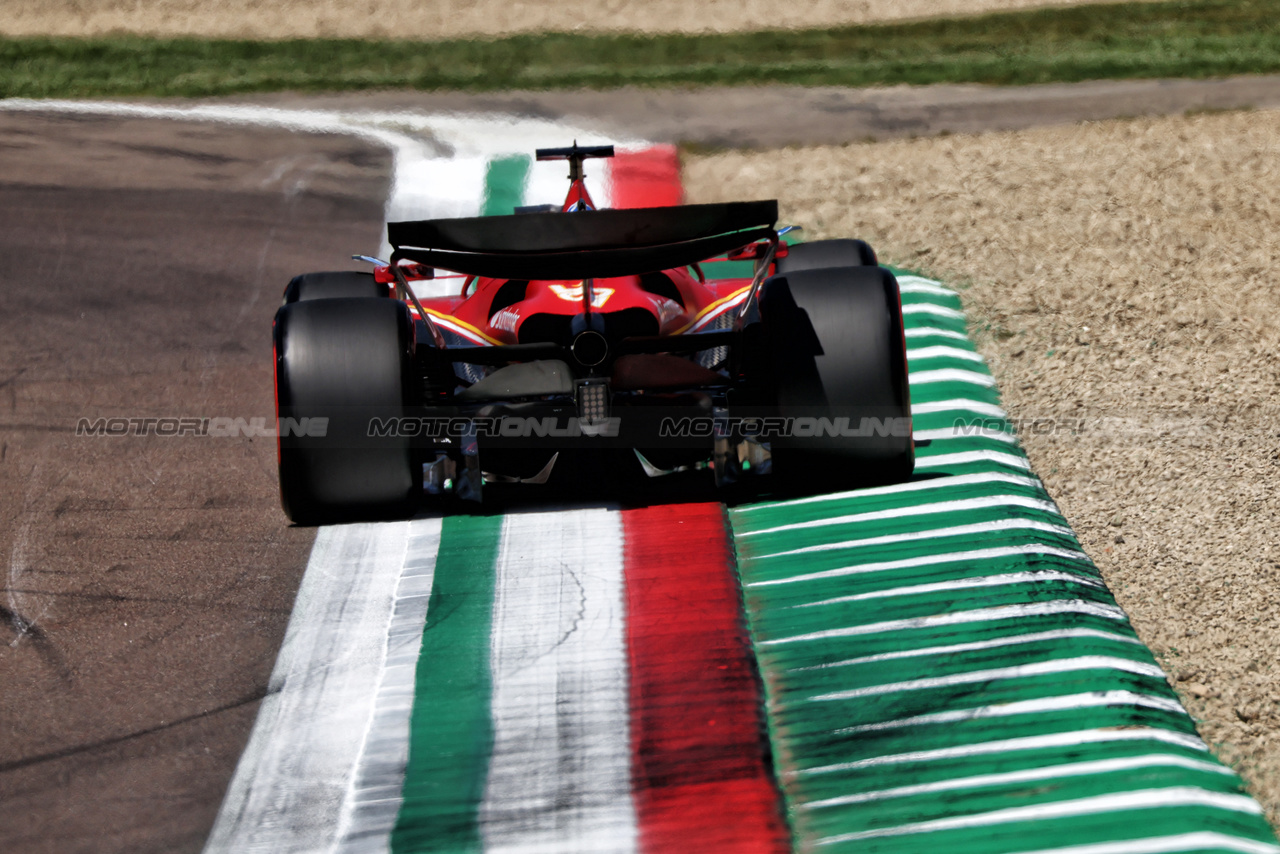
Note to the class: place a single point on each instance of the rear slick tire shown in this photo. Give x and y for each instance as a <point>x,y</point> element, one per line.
<point>341,364</point>
<point>838,357</point>
<point>338,284</point>
<point>822,254</point>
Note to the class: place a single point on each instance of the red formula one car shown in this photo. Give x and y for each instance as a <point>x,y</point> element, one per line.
<point>589,345</point>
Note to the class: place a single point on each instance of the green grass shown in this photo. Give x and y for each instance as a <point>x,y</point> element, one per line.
<point>1207,38</point>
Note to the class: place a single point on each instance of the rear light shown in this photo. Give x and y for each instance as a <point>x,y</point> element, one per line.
<point>593,401</point>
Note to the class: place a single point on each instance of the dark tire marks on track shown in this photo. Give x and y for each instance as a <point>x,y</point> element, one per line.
<point>147,581</point>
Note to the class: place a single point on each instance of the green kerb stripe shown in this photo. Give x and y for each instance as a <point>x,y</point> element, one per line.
<point>504,184</point>
<point>1040,834</point>
<point>944,668</point>
<point>451,735</point>
<point>451,730</point>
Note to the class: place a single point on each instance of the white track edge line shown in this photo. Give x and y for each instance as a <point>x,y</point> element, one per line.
<point>559,776</point>
<point>322,692</point>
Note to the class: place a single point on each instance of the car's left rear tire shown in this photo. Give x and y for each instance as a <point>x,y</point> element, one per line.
<point>334,284</point>
<point>341,365</point>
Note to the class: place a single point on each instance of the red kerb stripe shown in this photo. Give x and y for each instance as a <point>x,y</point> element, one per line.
<point>649,178</point>
<point>701,776</point>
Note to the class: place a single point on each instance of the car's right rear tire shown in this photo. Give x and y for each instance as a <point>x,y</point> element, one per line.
<point>821,254</point>
<point>349,361</point>
<point>836,350</point>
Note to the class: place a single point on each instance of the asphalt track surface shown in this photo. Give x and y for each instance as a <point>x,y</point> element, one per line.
<point>777,116</point>
<point>149,579</point>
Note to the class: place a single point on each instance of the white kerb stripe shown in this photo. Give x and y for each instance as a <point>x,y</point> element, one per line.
<point>371,807</point>
<point>928,331</point>
<point>958,505</point>
<point>299,766</point>
<point>917,285</point>
<point>978,615</point>
<point>560,775</point>
<point>1174,796</point>
<point>915,296</point>
<point>900,489</point>
<point>935,310</point>
<point>951,375</point>
<point>999,674</point>
<point>1029,775</point>
<point>1012,745</point>
<point>967,457</point>
<point>437,188</point>
<point>939,351</point>
<point>1203,840</point>
<point>1003,580</point>
<point>971,556</point>
<point>971,646</point>
<point>1038,706</point>
<point>980,529</point>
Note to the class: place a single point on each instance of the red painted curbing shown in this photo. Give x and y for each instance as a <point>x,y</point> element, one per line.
<point>649,178</point>
<point>701,776</point>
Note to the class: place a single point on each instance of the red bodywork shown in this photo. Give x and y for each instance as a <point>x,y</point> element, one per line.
<point>471,315</point>
<point>481,316</point>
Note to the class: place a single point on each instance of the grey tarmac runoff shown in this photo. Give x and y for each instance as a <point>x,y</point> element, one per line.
<point>148,579</point>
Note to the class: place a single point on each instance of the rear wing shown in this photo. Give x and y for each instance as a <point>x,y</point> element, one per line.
<point>583,244</point>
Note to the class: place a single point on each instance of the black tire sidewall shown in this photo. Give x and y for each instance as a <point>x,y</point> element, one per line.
<point>836,350</point>
<point>334,284</point>
<point>350,361</point>
<point>824,254</point>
